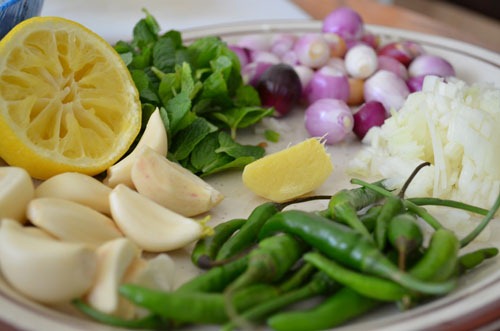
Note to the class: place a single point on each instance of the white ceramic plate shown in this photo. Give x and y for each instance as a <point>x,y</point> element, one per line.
<point>475,303</point>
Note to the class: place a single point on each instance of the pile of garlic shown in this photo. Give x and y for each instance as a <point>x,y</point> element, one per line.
<point>452,125</point>
<point>73,236</point>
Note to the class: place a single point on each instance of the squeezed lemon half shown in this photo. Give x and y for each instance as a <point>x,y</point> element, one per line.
<point>289,173</point>
<point>67,100</point>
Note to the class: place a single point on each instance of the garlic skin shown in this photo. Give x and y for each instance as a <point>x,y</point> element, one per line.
<point>72,222</point>
<point>171,185</point>
<point>154,136</point>
<point>16,190</point>
<point>44,269</point>
<point>76,187</point>
<point>113,259</point>
<point>151,226</point>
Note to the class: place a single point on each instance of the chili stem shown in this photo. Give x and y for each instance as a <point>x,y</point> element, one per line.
<point>480,227</point>
<point>410,179</point>
<point>448,203</point>
<point>428,218</point>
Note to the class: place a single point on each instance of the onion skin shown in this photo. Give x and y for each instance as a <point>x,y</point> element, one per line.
<point>282,43</point>
<point>329,83</point>
<point>312,50</point>
<point>403,51</point>
<point>252,71</point>
<point>356,95</point>
<point>369,115</point>
<point>361,61</point>
<point>338,64</point>
<point>305,75</point>
<point>280,87</point>
<point>337,44</point>
<point>243,54</point>
<point>387,88</point>
<point>427,64</point>
<point>345,22</point>
<point>391,64</point>
<point>329,119</point>
<point>264,56</point>
<point>415,83</point>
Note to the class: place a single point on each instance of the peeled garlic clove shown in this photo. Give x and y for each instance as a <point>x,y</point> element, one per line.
<point>16,190</point>
<point>44,269</point>
<point>113,259</point>
<point>151,226</point>
<point>76,187</point>
<point>72,222</point>
<point>154,136</point>
<point>155,273</point>
<point>171,185</point>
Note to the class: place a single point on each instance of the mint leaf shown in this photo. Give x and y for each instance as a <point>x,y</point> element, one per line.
<point>204,154</point>
<point>236,150</point>
<point>146,90</point>
<point>186,140</point>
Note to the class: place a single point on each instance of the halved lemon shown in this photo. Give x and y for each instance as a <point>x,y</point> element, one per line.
<point>67,100</point>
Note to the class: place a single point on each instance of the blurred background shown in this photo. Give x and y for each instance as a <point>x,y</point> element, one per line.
<point>482,17</point>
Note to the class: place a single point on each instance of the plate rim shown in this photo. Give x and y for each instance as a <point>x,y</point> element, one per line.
<point>224,30</point>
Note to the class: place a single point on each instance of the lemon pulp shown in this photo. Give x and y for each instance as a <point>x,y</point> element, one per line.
<point>67,100</point>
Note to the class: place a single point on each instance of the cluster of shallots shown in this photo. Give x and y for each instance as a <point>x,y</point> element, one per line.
<point>348,79</point>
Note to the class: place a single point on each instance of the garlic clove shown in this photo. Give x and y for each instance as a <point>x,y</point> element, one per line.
<point>44,269</point>
<point>76,187</point>
<point>155,273</point>
<point>151,226</point>
<point>171,185</point>
<point>16,190</point>
<point>71,221</point>
<point>113,259</point>
<point>154,136</point>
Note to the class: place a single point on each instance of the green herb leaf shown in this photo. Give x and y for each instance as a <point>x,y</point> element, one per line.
<point>272,136</point>
<point>199,91</point>
<point>236,150</point>
<point>186,140</point>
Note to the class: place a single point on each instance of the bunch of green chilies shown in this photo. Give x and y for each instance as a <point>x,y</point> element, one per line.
<point>365,250</point>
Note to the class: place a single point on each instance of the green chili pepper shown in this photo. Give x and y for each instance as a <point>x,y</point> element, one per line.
<point>440,259</point>
<point>410,206</point>
<point>391,207</point>
<point>347,247</point>
<point>217,278</point>
<point>345,204</point>
<point>342,306</point>
<point>369,218</point>
<point>206,249</point>
<point>247,234</point>
<point>270,260</point>
<point>153,322</point>
<point>319,284</point>
<point>405,235</point>
<point>191,307</point>
<point>297,278</point>
<point>369,286</point>
<point>473,259</point>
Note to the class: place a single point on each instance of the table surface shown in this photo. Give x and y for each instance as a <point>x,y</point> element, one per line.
<point>114,20</point>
